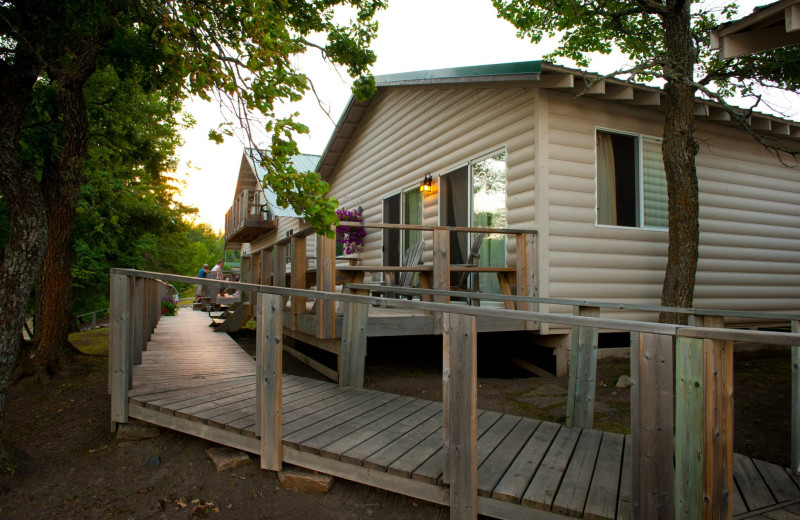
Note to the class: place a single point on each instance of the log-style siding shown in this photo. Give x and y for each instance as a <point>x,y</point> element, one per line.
<point>749,217</point>
<point>410,132</point>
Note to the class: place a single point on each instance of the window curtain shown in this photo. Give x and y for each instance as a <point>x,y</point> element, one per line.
<point>606,181</point>
<point>654,181</point>
<point>413,216</point>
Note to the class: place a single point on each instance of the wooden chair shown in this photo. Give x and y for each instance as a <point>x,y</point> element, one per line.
<point>412,257</point>
<point>472,261</point>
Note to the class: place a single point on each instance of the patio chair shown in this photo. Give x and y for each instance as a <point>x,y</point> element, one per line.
<point>412,257</point>
<point>472,261</point>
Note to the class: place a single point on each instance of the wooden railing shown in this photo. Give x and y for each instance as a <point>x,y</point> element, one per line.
<point>246,207</point>
<point>681,467</point>
<point>271,269</point>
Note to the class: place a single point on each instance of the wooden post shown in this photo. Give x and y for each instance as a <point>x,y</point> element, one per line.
<point>269,372</point>
<point>279,273</point>
<point>441,272</point>
<point>299,268</point>
<point>460,413</point>
<point>582,371</point>
<point>354,345</point>
<point>120,347</point>
<point>651,428</point>
<point>718,428</point>
<point>326,281</point>
<point>688,428</point>
<point>796,402</point>
<point>526,284</point>
<point>255,272</point>
<point>137,321</point>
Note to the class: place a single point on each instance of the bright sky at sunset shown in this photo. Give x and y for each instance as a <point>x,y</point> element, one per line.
<point>413,35</point>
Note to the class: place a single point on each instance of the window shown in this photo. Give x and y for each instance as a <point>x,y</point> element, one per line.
<point>401,208</point>
<point>631,183</point>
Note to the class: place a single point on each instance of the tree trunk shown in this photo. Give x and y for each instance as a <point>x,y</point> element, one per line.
<point>28,220</point>
<point>679,149</point>
<point>61,186</point>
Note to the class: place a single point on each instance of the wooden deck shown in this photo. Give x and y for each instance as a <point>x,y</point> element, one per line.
<point>201,383</point>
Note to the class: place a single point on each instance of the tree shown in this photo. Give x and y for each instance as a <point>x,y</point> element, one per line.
<point>667,40</point>
<point>241,48</point>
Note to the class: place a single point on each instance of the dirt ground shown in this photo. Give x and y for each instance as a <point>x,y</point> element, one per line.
<point>70,465</point>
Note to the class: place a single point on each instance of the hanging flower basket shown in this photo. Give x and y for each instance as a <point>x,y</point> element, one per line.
<point>351,238</point>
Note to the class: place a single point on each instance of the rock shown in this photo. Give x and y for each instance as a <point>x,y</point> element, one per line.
<point>227,458</point>
<point>305,481</point>
<point>624,382</point>
<point>548,389</point>
<point>136,432</point>
<point>542,402</point>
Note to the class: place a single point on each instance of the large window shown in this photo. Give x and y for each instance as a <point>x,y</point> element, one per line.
<point>631,183</point>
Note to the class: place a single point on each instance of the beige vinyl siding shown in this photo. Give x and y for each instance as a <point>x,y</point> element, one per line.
<point>410,132</point>
<point>749,218</point>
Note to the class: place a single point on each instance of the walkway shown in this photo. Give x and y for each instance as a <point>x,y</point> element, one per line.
<point>202,383</point>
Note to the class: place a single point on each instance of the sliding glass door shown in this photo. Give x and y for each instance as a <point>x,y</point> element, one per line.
<point>474,195</point>
<point>401,208</point>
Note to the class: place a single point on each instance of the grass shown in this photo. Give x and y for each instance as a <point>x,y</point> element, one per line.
<point>91,342</point>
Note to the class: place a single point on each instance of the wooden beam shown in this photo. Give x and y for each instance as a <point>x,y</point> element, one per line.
<point>120,347</point>
<point>751,42</point>
<point>582,372</point>
<point>460,396</point>
<point>269,373</point>
<point>326,281</point>
<point>644,98</point>
<point>299,269</point>
<point>557,80</point>
<point>688,427</point>
<point>597,88</point>
<point>441,272</point>
<point>354,345</point>
<point>618,93</point>
<point>718,426</point>
<point>792,18</point>
<point>652,427</point>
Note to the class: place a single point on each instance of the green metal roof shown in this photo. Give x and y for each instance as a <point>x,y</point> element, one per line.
<point>464,73</point>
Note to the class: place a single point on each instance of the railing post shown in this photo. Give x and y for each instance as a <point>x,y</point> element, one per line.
<point>279,273</point>
<point>688,428</point>
<point>460,413</point>
<point>582,371</point>
<point>269,372</point>
<point>255,271</point>
<point>138,319</point>
<point>326,281</point>
<point>441,272</point>
<point>299,268</point>
<point>652,428</point>
<point>526,284</point>
<point>718,426</point>
<point>120,348</point>
<point>354,345</point>
<point>796,402</point>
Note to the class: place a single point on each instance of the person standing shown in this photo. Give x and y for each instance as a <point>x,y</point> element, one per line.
<point>199,292</point>
<point>216,273</point>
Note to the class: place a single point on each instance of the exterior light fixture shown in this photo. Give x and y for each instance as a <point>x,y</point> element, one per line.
<point>426,186</point>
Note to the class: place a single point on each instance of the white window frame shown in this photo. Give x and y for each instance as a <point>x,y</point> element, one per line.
<point>639,180</point>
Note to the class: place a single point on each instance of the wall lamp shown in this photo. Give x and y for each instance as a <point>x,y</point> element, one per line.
<point>426,186</point>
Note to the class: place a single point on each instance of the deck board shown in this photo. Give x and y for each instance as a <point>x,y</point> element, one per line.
<point>202,383</point>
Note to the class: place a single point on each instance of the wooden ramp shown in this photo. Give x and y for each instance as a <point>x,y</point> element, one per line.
<point>202,383</point>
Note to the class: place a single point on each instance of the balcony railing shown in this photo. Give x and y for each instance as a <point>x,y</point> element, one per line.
<point>248,218</point>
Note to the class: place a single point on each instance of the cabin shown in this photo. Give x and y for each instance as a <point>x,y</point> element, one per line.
<point>558,173</point>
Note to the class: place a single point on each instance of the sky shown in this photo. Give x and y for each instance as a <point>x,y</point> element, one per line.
<point>412,35</point>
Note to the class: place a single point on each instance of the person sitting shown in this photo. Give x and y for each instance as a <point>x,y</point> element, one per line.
<point>198,290</point>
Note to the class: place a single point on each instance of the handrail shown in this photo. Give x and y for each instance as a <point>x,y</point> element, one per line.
<point>583,303</point>
<point>668,456</point>
<point>778,338</point>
